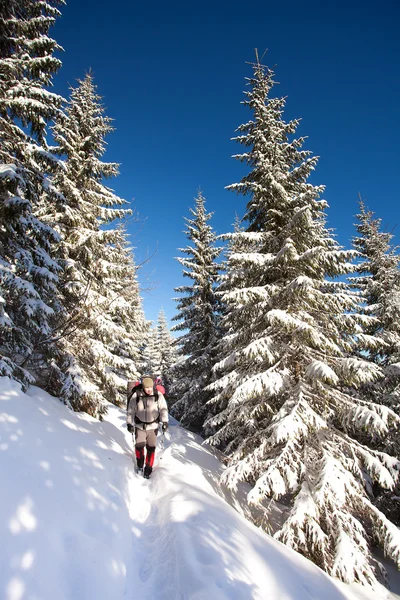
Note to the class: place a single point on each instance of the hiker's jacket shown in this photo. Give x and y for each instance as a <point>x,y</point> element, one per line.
<point>145,412</point>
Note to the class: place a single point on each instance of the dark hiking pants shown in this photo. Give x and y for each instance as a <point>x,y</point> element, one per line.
<point>145,439</point>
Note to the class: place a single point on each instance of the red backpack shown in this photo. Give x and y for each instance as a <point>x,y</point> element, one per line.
<point>159,385</point>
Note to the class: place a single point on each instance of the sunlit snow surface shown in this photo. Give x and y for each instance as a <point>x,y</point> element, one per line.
<point>77,523</point>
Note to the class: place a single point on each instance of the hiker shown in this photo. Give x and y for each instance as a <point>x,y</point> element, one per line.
<point>146,408</point>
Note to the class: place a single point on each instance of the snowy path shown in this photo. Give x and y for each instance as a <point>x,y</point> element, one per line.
<point>77,523</point>
<point>194,545</point>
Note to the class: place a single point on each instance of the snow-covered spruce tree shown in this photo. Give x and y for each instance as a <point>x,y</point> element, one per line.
<point>28,272</point>
<point>234,245</point>
<point>378,281</point>
<point>123,323</point>
<point>285,419</point>
<point>99,280</point>
<point>167,351</point>
<point>150,361</point>
<point>198,317</point>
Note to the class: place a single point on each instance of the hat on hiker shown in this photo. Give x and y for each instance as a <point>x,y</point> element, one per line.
<point>147,382</point>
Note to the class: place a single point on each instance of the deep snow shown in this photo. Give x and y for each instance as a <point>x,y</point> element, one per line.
<point>77,523</point>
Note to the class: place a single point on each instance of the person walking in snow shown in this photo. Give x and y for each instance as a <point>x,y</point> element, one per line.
<point>146,408</point>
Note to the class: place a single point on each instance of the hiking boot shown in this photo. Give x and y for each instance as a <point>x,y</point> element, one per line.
<point>147,472</point>
<point>139,470</point>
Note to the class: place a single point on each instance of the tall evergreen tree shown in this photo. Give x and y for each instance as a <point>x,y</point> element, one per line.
<point>284,416</point>
<point>378,281</point>
<point>123,321</point>
<point>167,351</point>
<point>99,272</point>
<point>150,352</point>
<point>28,272</point>
<point>198,315</point>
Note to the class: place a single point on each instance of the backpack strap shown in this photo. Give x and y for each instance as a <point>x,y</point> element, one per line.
<point>140,393</point>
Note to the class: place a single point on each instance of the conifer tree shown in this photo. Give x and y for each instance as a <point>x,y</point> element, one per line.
<point>378,281</point>
<point>198,317</point>
<point>99,280</point>
<point>150,352</point>
<point>28,271</point>
<point>283,412</point>
<point>167,351</point>
<point>123,323</point>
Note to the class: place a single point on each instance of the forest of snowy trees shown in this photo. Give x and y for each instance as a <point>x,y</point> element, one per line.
<point>286,347</point>
<point>71,316</point>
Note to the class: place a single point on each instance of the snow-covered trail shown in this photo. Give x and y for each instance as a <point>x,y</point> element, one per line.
<point>192,544</point>
<point>77,523</point>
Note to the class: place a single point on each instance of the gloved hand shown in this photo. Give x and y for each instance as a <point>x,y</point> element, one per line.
<point>164,426</point>
<point>130,427</point>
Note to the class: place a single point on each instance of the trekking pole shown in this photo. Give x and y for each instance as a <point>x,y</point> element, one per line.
<point>162,440</point>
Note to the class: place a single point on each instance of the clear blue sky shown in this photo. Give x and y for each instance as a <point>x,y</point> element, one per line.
<point>172,76</point>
